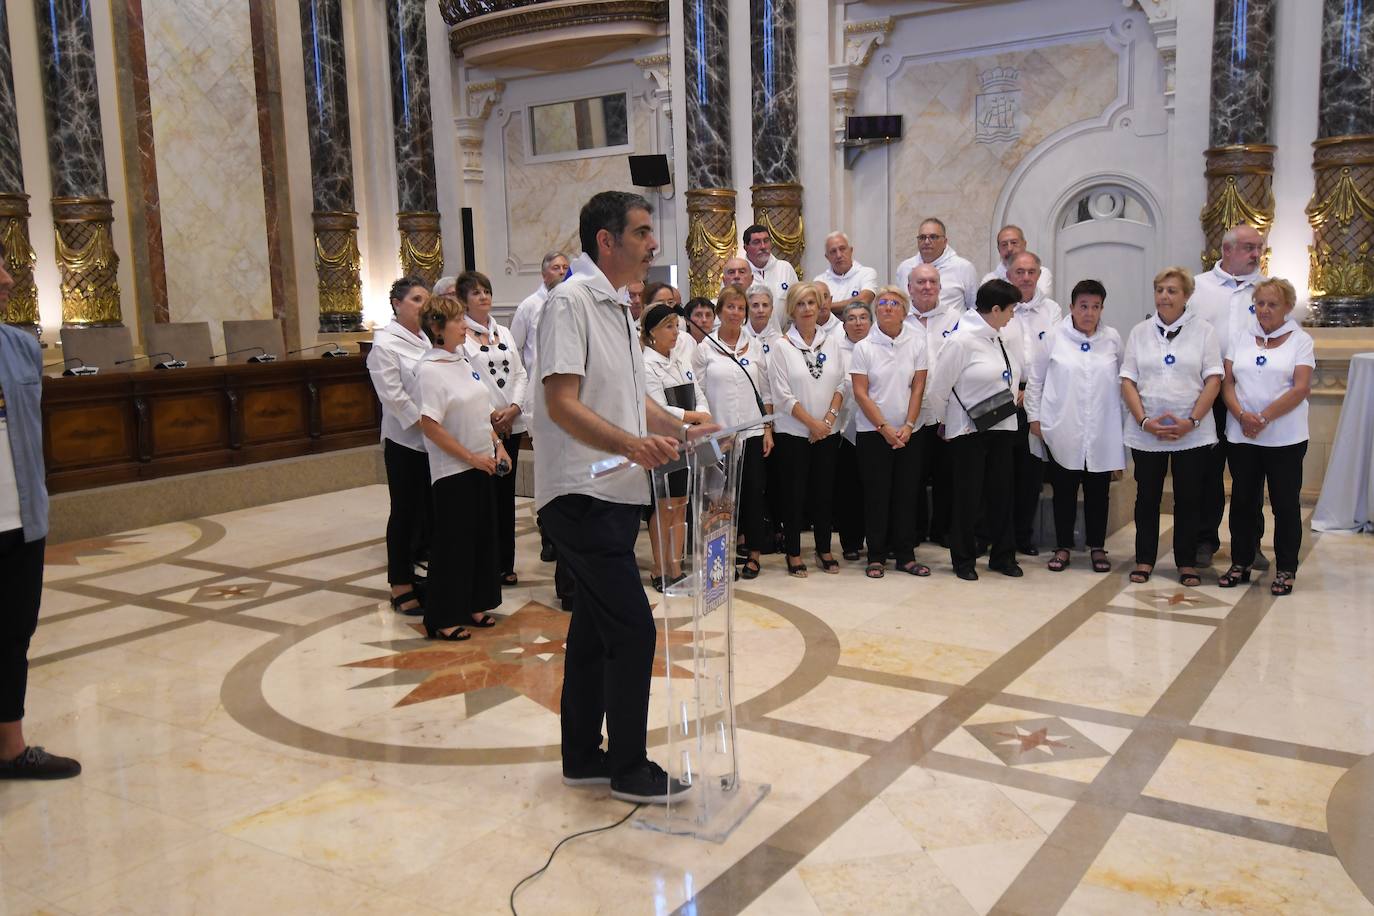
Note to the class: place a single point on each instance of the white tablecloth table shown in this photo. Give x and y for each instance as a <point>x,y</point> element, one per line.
<point>1348,489</point>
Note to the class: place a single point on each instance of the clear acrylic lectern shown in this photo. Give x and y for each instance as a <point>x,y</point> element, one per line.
<point>697,627</point>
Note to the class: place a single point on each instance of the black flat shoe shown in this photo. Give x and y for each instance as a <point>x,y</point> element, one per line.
<point>1100,562</point>
<point>547,554</point>
<point>657,583</point>
<point>912,568</point>
<point>1012,570</point>
<point>486,620</point>
<point>406,598</point>
<point>509,580</point>
<point>968,575</point>
<point>750,569</point>
<point>1029,550</point>
<point>458,635</point>
<point>36,763</point>
<point>1139,576</point>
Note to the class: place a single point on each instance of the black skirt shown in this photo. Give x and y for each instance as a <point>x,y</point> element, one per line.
<point>464,578</point>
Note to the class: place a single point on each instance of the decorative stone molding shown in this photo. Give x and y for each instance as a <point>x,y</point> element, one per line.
<point>656,68</point>
<point>861,39</point>
<point>1163,19</point>
<point>482,98</point>
<point>471,132</point>
<point>1330,377</point>
<point>517,21</point>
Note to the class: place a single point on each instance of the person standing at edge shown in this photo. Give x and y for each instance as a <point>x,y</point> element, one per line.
<point>593,404</point>
<point>23,535</point>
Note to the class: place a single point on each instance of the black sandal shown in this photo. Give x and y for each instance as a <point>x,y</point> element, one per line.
<point>798,571</point>
<point>1233,577</point>
<point>509,579</point>
<point>1141,575</point>
<point>458,635</point>
<point>874,571</point>
<point>1282,584</point>
<point>912,568</point>
<point>1189,580</point>
<point>750,569</point>
<point>486,620</point>
<point>406,598</point>
<point>830,566</point>
<point>1100,562</point>
<point>1060,561</point>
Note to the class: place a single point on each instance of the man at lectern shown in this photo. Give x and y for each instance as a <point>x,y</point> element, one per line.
<point>592,405</point>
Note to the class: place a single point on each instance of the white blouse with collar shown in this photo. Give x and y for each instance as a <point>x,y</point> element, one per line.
<point>663,372</point>
<point>1074,390</point>
<point>1170,374</point>
<point>725,377</point>
<point>974,364</point>
<point>809,376</point>
<point>501,368</point>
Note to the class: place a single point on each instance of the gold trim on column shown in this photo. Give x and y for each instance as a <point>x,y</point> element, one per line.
<point>1341,214</point>
<point>778,208</point>
<point>19,259</point>
<point>337,262</point>
<point>1239,190</point>
<point>86,260</point>
<point>711,237</point>
<point>422,247</point>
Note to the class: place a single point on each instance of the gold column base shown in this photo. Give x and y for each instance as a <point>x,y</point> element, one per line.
<point>422,247</point>
<point>712,238</point>
<point>778,208</point>
<point>86,261</point>
<point>1342,217</point>
<point>1240,189</point>
<point>19,260</point>
<point>337,261</point>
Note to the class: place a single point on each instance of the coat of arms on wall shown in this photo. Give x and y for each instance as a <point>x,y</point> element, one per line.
<point>996,107</point>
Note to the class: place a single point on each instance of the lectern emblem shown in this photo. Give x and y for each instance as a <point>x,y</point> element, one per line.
<point>996,107</point>
<point>717,569</point>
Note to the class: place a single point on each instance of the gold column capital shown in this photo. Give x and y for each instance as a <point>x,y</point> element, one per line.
<point>1341,213</point>
<point>337,264</point>
<point>86,260</point>
<point>711,237</point>
<point>19,259</point>
<point>1239,190</point>
<point>422,245</point>
<point>778,208</point>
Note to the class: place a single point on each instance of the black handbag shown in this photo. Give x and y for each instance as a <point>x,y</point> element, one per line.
<point>992,410</point>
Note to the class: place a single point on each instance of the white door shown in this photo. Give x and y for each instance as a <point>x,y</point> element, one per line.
<point>1108,234</point>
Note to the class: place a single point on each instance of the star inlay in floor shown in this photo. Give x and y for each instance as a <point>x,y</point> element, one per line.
<point>70,554</point>
<point>1034,741</point>
<point>239,591</point>
<point>521,656</point>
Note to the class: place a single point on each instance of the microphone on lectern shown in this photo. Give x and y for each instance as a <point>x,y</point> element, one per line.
<point>262,355</point>
<point>334,350</point>
<point>171,363</point>
<point>82,369</point>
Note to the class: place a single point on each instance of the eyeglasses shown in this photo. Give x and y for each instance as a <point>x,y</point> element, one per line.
<point>888,302</point>
<point>929,238</point>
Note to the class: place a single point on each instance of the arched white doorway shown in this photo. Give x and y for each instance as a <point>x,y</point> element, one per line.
<point>1108,231</point>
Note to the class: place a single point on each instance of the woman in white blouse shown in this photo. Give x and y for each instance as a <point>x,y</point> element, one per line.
<point>392,362</point>
<point>1170,375</point>
<point>976,365</point>
<point>733,373</point>
<point>888,372</point>
<point>760,323</point>
<point>1268,379</point>
<point>1073,403</point>
<point>496,358</point>
<point>464,454</point>
<point>673,383</point>
<point>807,373</point>
<point>857,322</point>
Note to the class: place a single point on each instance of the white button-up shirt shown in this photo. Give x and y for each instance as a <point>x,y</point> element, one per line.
<point>1263,375</point>
<point>973,365</point>
<point>524,325</point>
<point>1031,324</point>
<point>890,365</point>
<point>1074,389</point>
<point>664,372</point>
<point>726,379</point>
<point>1225,302</point>
<point>392,362</point>
<point>848,285</point>
<point>451,393</point>
<point>792,383</point>
<point>1170,374</point>
<point>1045,283</point>
<point>585,330</point>
<point>779,276</point>
<point>934,327</point>
<point>958,279</point>
<point>505,383</point>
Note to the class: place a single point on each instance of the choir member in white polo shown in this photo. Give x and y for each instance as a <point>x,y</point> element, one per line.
<point>1073,402</point>
<point>934,320</point>
<point>1223,297</point>
<point>888,374</point>
<point>778,275</point>
<point>847,279</point>
<point>958,279</point>
<point>524,326</point>
<point>1035,315</point>
<point>1011,241</point>
<point>855,326</point>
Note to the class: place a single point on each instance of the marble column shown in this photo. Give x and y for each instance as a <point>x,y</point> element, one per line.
<point>337,259</point>
<point>1240,160</point>
<point>1342,207</point>
<point>711,234</point>
<point>14,203</point>
<point>81,208</point>
<point>417,193</point>
<point>776,191</point>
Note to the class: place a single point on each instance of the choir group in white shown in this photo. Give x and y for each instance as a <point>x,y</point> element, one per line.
<point>925,411</point>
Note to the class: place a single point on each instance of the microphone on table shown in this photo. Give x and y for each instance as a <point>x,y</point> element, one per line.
<point>172,363</point>
<point>82,369</point>
<point>262,355</point>
<point>334,350</point>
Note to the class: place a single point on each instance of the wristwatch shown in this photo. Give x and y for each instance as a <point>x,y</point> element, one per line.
<point>1196,422</point>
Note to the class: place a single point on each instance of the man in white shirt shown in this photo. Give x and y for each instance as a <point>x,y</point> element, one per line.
<point>1035,315</point>
<point>933,319</point>
<point>778,276</point>
<point>1222,296</point>
<point>958,279</point>
<point>592,404</point>
<point>524,326</point>
<point>1011,241</point>
<point>847,279</point>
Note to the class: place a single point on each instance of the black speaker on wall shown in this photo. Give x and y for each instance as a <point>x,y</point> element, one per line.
<point>469,252</point>
<point>873,127</point>
<point>649,171</point>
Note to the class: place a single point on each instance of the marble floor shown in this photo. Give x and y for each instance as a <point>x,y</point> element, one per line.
<point>261,734</point>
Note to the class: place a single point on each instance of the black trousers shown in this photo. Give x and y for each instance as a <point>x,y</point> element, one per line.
<point>932,508</point>
<point>1028,476</point>
<point>410,525</point>
<point>21,572</point>
<point>808,472</point>
<point>1281,466</point>
<point>753,479</point>
<point>1212,496</point>
<point>463,578</point>
<point>1096,486</point>
<point>848,496</point>
<point>890,478</point>
<point>982,476</point>
<point>505,505</point>
<point>611,637</point>
<point>1188,467</point>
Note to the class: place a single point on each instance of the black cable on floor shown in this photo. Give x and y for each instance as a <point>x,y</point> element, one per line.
<point>532,875</point>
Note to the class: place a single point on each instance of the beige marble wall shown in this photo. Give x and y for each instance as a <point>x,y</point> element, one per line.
<point>941,167</point>
<point>209,166</point>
